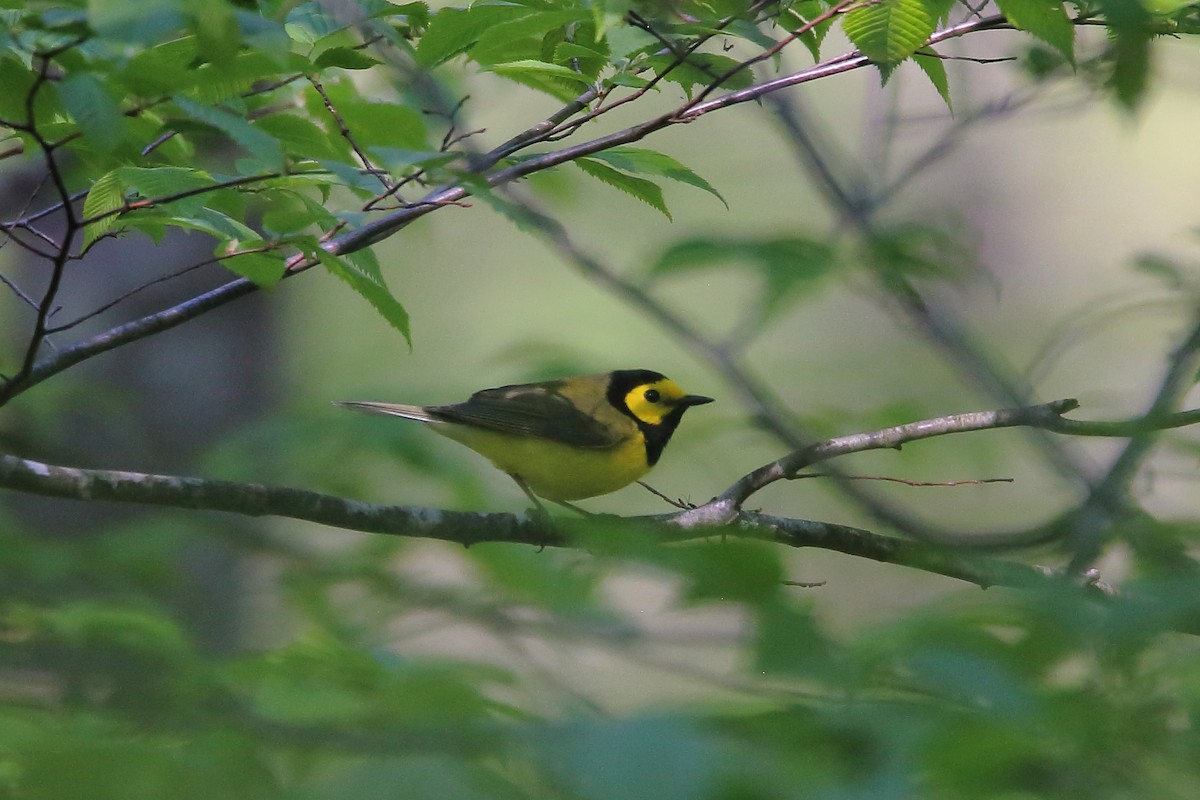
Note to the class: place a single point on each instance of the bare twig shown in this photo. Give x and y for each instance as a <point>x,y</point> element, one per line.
<point>788,467</point>
<point>347,134</point>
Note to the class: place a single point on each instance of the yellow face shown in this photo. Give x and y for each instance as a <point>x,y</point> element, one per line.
<point>650,402</point>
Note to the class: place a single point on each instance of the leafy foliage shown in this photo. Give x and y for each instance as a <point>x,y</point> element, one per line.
<point>290,135</point>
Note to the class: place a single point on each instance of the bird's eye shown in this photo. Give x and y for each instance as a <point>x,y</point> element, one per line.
<point>652,396</point>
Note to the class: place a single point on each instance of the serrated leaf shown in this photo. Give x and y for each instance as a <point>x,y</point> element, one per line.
<point>798,15</point>
<point>88,101</point>
<point>701,69</point>
<point>646,191</point>
<point>501,42</point>
<point>1130,54</point>
<point>107,194</point>
<point>1045,19</point>
<point>889,31</point>
<point>156,182</point>
<point>258,143</point>
<point>217,224</point>
<point>361,272</point>
<point>927,59</point>
<point>1128,49</point>
<point>302,139</point>
<point>453,30</point>
<point>529,66</point>
<point>625,79</point>
<point>650,162</point>
<point>265,270</point>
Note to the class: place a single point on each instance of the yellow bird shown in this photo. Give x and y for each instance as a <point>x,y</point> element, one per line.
<point>565,439</point>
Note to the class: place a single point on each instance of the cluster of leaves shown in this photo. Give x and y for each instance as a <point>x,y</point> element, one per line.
<point>249,122</point>
<point>1046,693</point>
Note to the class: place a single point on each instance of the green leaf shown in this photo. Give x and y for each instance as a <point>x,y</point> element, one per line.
<point>218,35</point>
<point>146,21</point>
<point>107,194</point>
<point>798,15</point>
<point>384,124</point>
<point>1130,54</point>
<point>503,42</point>
<point>1045,19</point>
<point>217,224</point>
<point>302,139</point>
<point>158,182</point>
<point>345,58</point>
<point>929,62</point>
<point>646,191</point>
<point>15,82</point>
<point>308,23</point>
<point>889,31</point>
<point>287,212</point>
<point>518,70</point>
<point>162,69</point>
<point>650,162</point>
<point>562,585</point>
<point>1128,49</point>
<point>788,642</point>
<point>361,272</point>
<point>732,570</point>
<point>627,759</point>
<point>914,250</point>
<point>701,69</point>
<point>89,102</point>
<point>265,270</point>
<point>258,143</point>
<point>453,30</point>
<point>790,266</point>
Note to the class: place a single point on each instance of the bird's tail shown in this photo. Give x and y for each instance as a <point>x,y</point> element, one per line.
<point>391,409</point>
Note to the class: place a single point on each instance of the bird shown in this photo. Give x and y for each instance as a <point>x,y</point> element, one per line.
<point>565,439</point>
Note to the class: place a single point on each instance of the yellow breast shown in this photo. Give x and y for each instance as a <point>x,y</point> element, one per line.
<point>553,470</point>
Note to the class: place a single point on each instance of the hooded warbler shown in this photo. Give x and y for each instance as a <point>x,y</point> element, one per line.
<point>564,439</point>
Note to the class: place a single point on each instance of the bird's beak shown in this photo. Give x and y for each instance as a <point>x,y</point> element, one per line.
<point>693,400</point>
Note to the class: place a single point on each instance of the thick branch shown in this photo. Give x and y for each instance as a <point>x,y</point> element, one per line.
<point>468,528</point>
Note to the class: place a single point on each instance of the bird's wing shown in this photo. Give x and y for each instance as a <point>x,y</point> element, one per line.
<point>538,410</point>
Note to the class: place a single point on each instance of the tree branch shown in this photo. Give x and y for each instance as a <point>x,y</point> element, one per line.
<point>722,516</point>
<point>469,528</point>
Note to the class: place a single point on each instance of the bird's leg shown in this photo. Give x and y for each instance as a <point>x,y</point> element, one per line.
<point>677,503</point>
<point>538,509</point>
